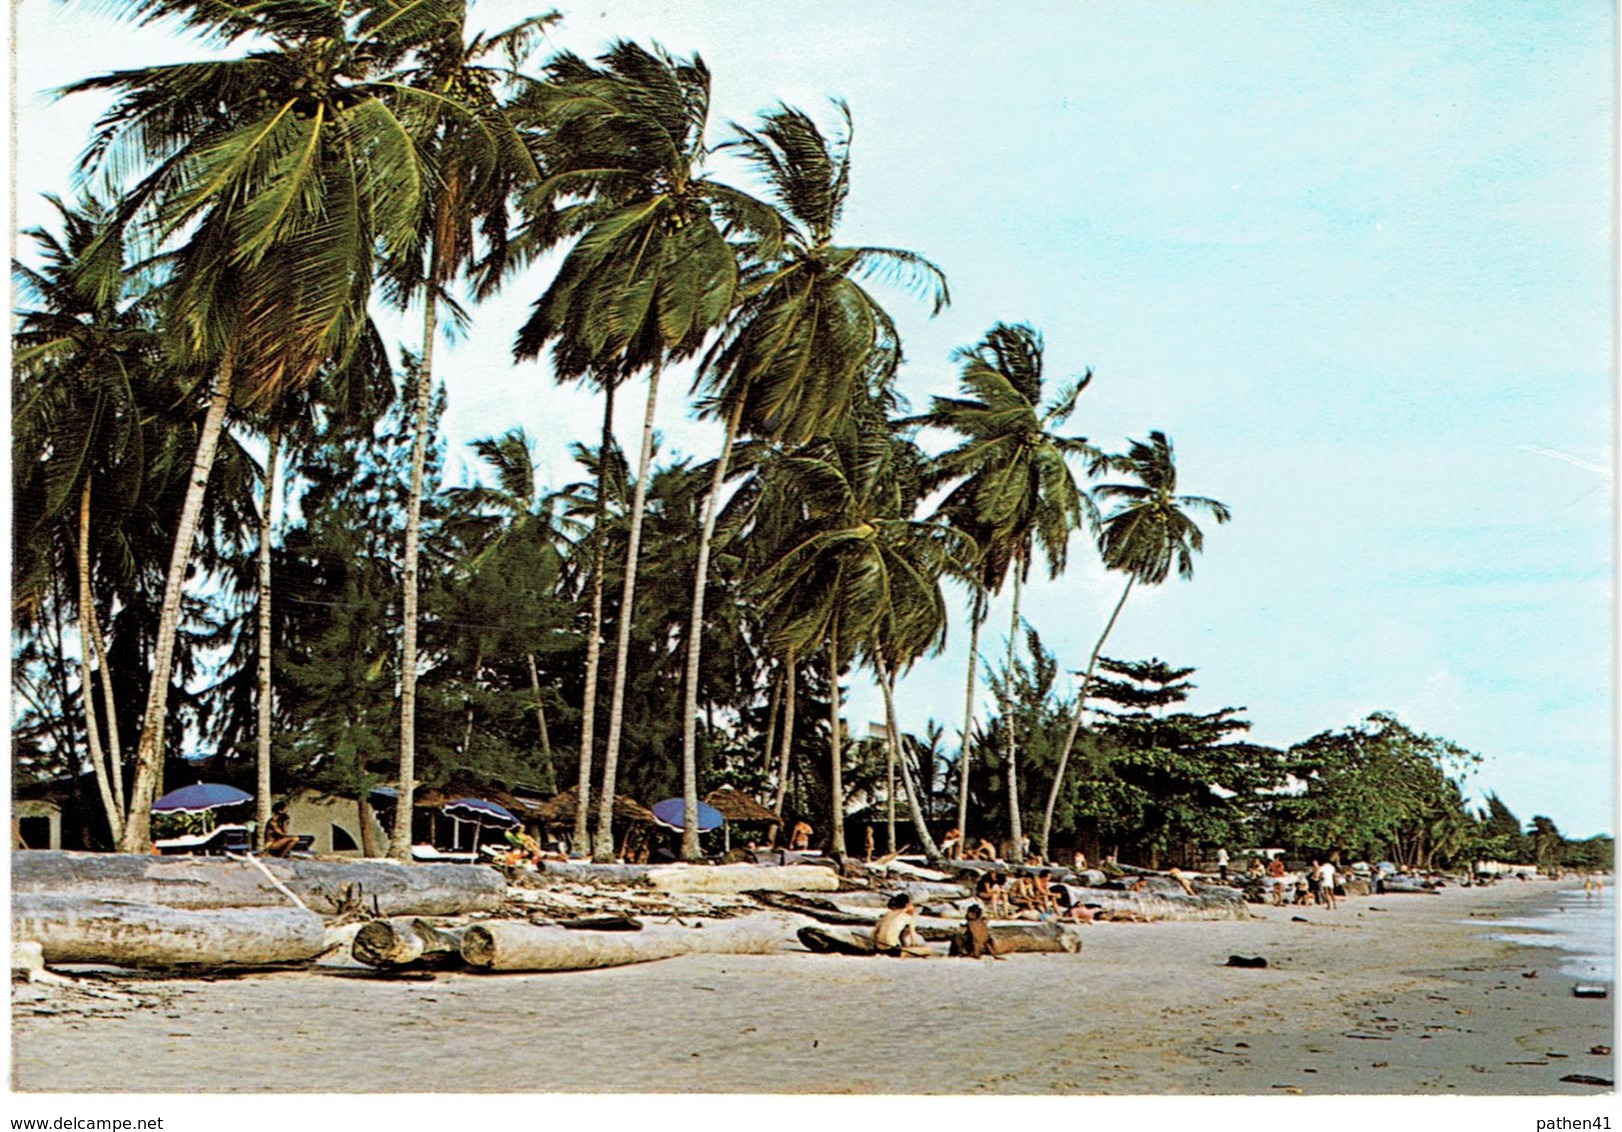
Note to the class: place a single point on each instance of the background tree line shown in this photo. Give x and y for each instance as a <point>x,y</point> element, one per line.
<point>233,533</point>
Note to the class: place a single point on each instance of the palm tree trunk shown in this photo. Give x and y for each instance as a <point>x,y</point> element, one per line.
<point>266,520</point>
<point>594,641</point>
<point>87,687</point>
<point>976,615</point>
<point>603,849</point>
<point>363,811</point>
<point>695,642</point>
<point>109,708</point>
<point>1016,832</point>
<point>149,754</point>
<point>400,846</point>
<point>932,851</point>
<point>786,740</point>
<point>1075,722</point>
<point>549,774</point>
<point>773,704</point>
<point>836,771</point>
<point>889,776</point>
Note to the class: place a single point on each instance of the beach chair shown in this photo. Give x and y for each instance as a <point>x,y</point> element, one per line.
<point>220,840</point>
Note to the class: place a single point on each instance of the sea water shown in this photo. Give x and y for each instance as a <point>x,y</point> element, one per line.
<point>1581,924</point>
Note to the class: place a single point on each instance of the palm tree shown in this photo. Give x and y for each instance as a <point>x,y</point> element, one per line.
<point>859,574</point>
<point>1015,492</point>
<point>1141,538</point>
<point>516,532</point>
<point>278,175</point>
<point>651,272</point>
<point>480,159</point>
<point>799,347</point>
<point>80,356</point>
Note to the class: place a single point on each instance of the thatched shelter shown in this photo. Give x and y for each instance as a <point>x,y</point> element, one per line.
<point>736,806</point>
<point>559,809</point>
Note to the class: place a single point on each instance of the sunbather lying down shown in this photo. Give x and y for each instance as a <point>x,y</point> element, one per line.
<point>896,933</point>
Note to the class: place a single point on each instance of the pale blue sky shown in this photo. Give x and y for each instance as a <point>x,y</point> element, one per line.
<point>1355,259</point>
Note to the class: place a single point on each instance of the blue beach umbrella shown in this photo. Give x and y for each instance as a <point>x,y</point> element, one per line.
<point>200,799</point>
<point>481,811</point>
<point>671,811</point>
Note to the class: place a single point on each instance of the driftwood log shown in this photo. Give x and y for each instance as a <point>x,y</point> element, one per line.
<point>518,945</point>
<point>73,929</point>
<point>1051,936</point>
<point>716,880</point>
<point>384,887</point>
<point>405,942</point>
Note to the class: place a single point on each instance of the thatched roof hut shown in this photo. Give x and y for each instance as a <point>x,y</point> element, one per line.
<point>736,806</point>
<point>559,809</point>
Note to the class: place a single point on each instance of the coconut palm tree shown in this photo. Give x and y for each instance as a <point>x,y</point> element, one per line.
<point>1015,493</point>
<point>799,347</point>
<point>276,178</point>
<point>515,530</point>
<point>859,574</point>
<point>651,272</point>
<point>80,356</point>
<point>479,159</point>
<point>1142,537</point>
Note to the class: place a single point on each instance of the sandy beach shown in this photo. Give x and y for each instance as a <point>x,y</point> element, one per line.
<point>1386,995</point>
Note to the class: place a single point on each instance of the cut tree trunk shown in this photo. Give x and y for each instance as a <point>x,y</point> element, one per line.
<point>518,945</point>
<point>603,847</point>
<point>72,929</point>
<point>383,887</point>
<point>404,942</point>
<point>719,879</point>
<point>1051,937</point>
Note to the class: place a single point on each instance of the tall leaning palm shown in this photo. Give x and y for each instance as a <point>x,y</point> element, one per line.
<point>1147,531</point>
<point>479,159</point>
<point>797,351</point>
<point>651,271</point>
<point>273,179</point>
<point>1015,493</point>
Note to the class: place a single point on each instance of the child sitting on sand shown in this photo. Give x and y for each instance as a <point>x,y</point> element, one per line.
<point>976,940</point>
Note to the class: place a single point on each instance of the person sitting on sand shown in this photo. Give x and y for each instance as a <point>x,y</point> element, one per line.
<point>984,851</point>
<point>801,837</point>
<point>1257,869</point>
<point>1139,885</point>
<point>976,940</point>
<point>896,933</point>
<point>992,890</point>
<point>279,841</point>
<point>1303,892</point>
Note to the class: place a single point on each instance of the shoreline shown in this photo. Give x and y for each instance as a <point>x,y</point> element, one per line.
<point>1388,995</point>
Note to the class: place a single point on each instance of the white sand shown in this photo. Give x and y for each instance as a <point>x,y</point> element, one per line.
<point>1388,994</point>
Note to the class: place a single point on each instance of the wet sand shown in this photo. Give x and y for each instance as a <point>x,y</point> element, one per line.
<point>1386,995</point>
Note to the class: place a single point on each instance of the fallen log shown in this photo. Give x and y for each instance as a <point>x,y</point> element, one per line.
<point>816,907</point>
<point>385,888</point>
<point>1210,902</point>
<point>518,945</point>
<point>1052,937</point>
<point>73,929</point>
<point>716,880</point>
<point>922,892</point>
<point>406,942</point>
